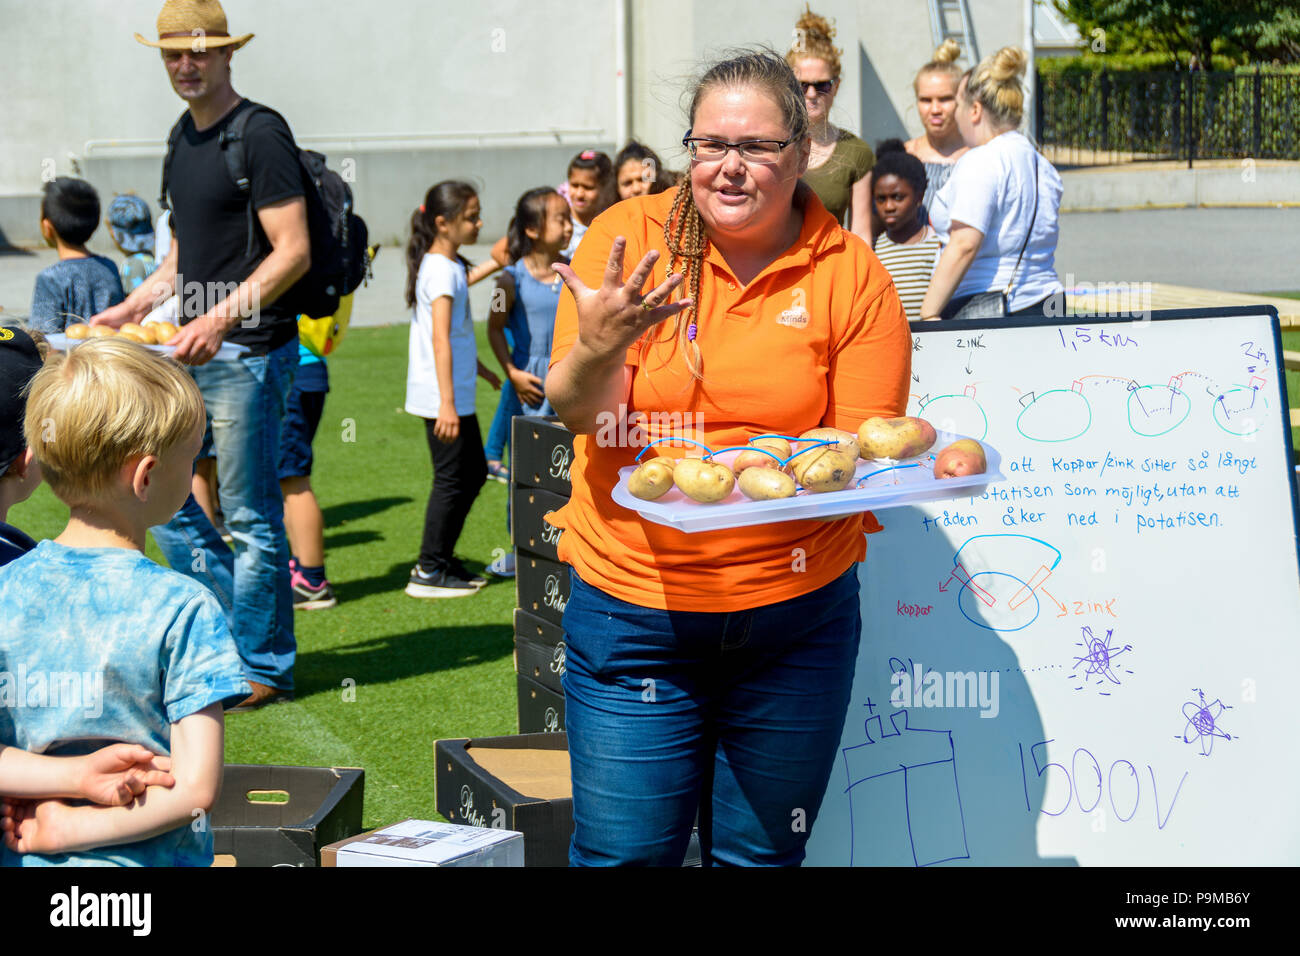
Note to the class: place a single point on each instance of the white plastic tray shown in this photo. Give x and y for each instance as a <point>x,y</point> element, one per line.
<point>890,489</point>
<point>60,342</point>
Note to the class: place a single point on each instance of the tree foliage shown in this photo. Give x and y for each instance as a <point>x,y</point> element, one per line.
<point>1190,31</point>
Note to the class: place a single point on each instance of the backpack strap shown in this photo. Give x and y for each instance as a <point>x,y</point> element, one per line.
<point>232,147</point>
<point>172,139</point>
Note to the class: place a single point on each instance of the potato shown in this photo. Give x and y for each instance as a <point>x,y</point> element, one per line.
<point>757,459</point>
<point>704,481</point>
<point>895,437</point>
<point>652,479</point>
<point>846,442</point>
<point>141,333</point>
<point>100,331</point>
<point>163,331</point>
<point>78,330</point>
<point>963,457</point>
<point>825,469</point>
<point>763,484</point>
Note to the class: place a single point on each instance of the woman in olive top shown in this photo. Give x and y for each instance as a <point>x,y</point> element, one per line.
<point>840,164</point>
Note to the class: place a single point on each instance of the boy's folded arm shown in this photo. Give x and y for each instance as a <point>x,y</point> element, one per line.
<point>29,775</point>
<point>197,755</point>
<point>112,775</point>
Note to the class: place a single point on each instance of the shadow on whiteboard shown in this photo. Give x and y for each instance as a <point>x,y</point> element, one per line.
<point>939,761</point>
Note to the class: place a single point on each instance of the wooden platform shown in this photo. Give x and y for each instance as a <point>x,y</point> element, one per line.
<point>1129,297</point>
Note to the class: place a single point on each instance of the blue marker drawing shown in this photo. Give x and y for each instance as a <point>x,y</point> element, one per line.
<point>1202,722</point>
<point>1015,599</point>
<point>906,775</point>
<point>1098,660</point>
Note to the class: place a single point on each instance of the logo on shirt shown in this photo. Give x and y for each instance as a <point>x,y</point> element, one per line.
<point>6,335</point>
<point>796,318</point>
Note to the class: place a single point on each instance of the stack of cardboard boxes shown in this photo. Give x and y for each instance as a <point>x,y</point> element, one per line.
<point>541,453</point>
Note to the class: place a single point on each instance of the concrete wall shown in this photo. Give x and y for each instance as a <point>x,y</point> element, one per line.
<point>502,91</point>
<point>1246,184</point>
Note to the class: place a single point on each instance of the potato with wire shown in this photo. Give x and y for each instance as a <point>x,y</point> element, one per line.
<point>652,479</point>
<point>761,459</point>
<point>707,482</point>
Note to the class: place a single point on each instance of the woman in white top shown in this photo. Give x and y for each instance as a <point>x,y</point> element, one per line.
<point>1002,198</point>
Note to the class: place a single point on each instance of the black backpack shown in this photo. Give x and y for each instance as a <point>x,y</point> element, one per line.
<point>339,263</point>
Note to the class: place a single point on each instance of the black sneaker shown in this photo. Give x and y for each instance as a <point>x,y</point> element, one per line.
<point>465,574</point>
<point>307,598</point>
<point>439,584</point>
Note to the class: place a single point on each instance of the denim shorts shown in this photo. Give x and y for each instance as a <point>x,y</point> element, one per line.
<point>734,716</point>
<point>302,417</point>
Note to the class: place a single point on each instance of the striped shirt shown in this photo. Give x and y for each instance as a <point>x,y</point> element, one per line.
<point>911,266</point>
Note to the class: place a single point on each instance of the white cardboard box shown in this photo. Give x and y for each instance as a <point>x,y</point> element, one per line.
<point>425,843</point>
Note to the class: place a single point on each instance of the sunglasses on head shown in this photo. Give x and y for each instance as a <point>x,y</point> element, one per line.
<point>823,86</point>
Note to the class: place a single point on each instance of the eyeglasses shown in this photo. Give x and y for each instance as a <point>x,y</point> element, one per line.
<point>758,151</point>
<point>823,87</point>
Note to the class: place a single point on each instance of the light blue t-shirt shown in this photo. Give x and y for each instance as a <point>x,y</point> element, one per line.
<point>100,645</point>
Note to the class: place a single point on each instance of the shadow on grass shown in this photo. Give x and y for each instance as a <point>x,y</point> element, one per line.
<point>353,510</point>
<point>398,575</point>
<point>398,656</point>
<point>345,539</point>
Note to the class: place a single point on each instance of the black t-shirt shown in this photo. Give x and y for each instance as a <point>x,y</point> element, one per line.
<point>210,218</point>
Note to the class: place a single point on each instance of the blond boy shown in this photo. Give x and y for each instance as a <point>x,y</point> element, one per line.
<point>113,646</point>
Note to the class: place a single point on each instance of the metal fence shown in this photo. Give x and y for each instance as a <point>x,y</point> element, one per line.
<point>1120,117</point>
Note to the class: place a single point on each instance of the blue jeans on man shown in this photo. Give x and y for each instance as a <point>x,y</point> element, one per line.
<point>245,401</point>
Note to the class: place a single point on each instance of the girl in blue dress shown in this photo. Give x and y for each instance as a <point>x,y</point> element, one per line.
<point>524,302</point>
<point>528,292</point>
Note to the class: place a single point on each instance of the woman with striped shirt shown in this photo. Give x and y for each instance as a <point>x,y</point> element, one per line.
<point>908,248</point>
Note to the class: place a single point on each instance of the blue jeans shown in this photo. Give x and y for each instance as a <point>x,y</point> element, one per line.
<point>499,432</point>
<point>736,715</point>
<point>245,401</point>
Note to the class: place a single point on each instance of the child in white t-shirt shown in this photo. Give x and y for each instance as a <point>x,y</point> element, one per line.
<point>440,382</point>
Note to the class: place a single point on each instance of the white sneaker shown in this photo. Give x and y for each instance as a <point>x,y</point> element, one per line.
<point>504,566</point>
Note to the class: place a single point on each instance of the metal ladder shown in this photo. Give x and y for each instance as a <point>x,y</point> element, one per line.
<point>951,19</point>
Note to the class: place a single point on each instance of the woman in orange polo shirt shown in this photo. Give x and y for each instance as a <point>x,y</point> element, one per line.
<point>711,671</point>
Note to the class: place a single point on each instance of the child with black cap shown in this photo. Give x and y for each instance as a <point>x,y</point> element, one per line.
<point>80,284</point>
<point>20,359</point>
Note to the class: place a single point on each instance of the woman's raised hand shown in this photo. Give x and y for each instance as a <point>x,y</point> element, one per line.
<point>614,316</point>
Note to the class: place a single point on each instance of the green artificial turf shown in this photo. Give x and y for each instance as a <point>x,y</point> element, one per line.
<point>1291,343</point>
<point>382,676</point>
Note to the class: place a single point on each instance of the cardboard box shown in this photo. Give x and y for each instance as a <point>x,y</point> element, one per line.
<point>282,816</point>
<point>541,586</point>
<point>541,452</point>
<point>541,711</point>
<point>486,779</point>
<point>529,528</point>
<point>426,843</point>
<point>539,650</point>
<point>517,783</point>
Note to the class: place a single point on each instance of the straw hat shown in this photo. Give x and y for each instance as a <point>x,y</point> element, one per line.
<point>183,23</point>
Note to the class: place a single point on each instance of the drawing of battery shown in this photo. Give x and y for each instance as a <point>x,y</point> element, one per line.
<point>904,802</point>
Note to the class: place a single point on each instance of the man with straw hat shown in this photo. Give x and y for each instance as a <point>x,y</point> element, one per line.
<point>229,268</point>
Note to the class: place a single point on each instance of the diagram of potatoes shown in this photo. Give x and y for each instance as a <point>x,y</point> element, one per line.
<point>1088,664</point>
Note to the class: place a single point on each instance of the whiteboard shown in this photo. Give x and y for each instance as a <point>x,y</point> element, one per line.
<point>1092,663</point>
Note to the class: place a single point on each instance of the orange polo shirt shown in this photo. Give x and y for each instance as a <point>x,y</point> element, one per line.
<point>841,353</point>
